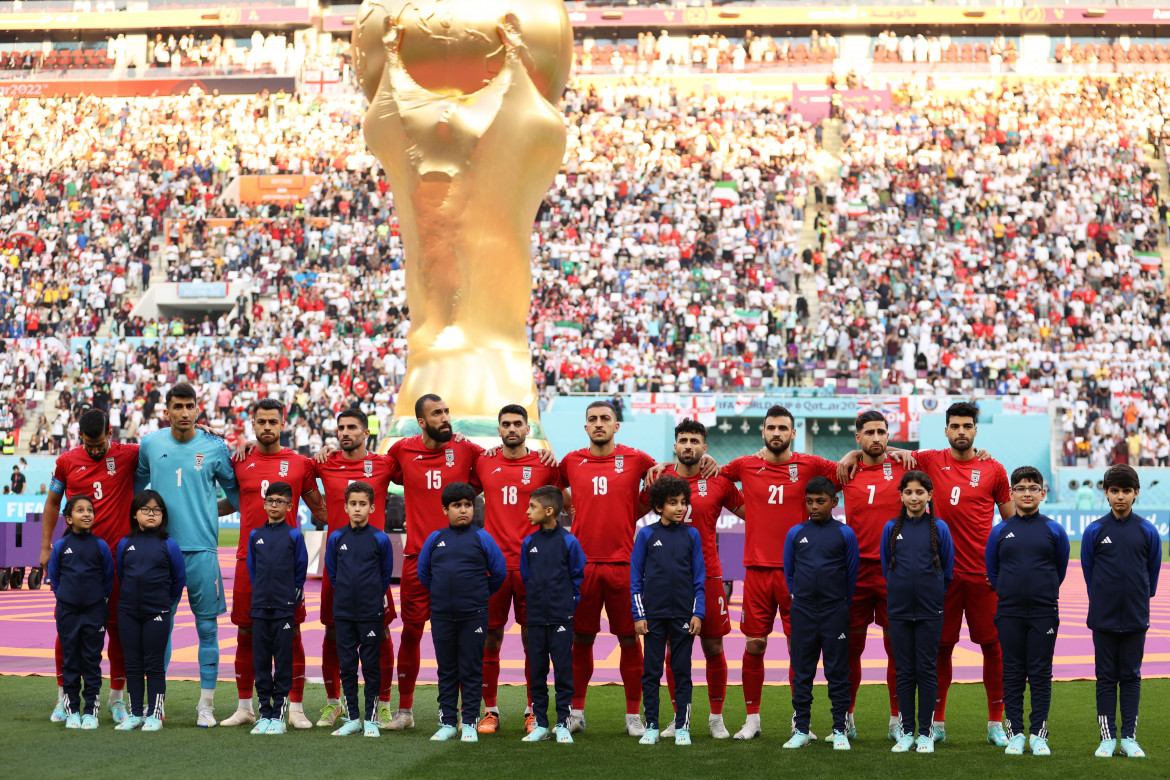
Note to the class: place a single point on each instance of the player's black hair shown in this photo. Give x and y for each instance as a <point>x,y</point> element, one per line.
<point>71,503</point>
<point>776,410</point>
<point>820,486</point>
<point>365,488</point>
<point>356,414</point>
<point>605,404</point>
<point>268,404</point>
<point>141,500</point>
<point>511,409</point>
<point>280,489</point>
<point>921,478</point>
<point>666,487</point>
<point>1027,474</point>
<point>873,415</point>
<point>93,424</point>
<point>181,390</point>
<point>963,409</point>
<point>548,496</point>
<point>421,404</point>
<point>691,426</point>
<point>457,491</point>
<point>1122,477</point>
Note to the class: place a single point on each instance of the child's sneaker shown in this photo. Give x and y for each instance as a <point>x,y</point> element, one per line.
<point>469,733</point>
<point>718,728</point>
<point>118,711</point>
<point>349,728</point>
<point>925,745</point>
<point>73,721</point>
<point>634,725</point>
<point>276,726</point>
<point>59,715</point>
<point>132,722</point>
<point>1015,746</point>
<point>797,740</point>
<point>1129,747</point>
<point>1106,748</point>
<point>682,736</point>
<point>904,744</point>
<point>996,735</point>
<point>371,729</point>
<point>330,714</point>
<point>444,733</point>
<point>1039,746</point>
<point>152,724</point>
<point>538,734</point>
<point>649,737</point>
<point>261,726</point>
<point>850,726</point>
<point>564,736</point>
<point>939,730</point>
<point>840,740</point>
<point>90,722</point>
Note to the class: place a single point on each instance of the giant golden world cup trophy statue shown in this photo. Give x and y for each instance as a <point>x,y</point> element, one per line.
<point>462,118</point>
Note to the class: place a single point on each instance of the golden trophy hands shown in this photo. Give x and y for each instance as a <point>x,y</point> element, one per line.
<point>460,119</point>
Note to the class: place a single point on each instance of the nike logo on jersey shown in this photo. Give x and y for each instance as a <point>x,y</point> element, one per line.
<point>418,457</point>
<point>945,468</point>
<point>533,550</point>
<point>1051,631</point>
<point>1010,535</point>
<point>82,468</point>
<point>560,629</point>
<point>479,630</point>
<point>250,466</point>
<point>497,470</point>
<point>1106,540</point>
<point>803,540</point>
<point>343,547</point>
<point>584,461</point>
<point>158,619</point>
<point>441,544</point>
<point>259,541</point>
<point>657,543</point>
<point>371,634</point>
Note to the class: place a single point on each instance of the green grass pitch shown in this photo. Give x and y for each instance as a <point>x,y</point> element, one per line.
<point>33,747</point>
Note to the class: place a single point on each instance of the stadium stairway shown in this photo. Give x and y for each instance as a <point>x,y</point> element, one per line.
<point>1158,164</point>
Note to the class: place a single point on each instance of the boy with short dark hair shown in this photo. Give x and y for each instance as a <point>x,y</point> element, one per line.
<point>277,564</point>
<point>360,563</point>
<point>552,566</point>
<point>1121,555</point>
<point>668,595</point>
<point>461,566</point>
<point>821,560</point>
<point>1027,557</point>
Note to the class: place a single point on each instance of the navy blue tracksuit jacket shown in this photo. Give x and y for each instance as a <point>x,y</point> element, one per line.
<point>360,565</point>
<point>915,590</point>
<point>1121,559</point>
<point>277,565</point>
<point>81,573</point>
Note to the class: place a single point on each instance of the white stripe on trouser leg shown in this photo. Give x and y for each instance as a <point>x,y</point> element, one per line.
<point>1104,722</point>
<point>687,718</point>
<point>1043,730</point>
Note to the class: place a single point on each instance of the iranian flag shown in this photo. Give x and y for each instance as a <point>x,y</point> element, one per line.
<point>749,317</point>
<point>856,208</point>
<point>1150,261</point>
<point>726,193</point>
<point>569,328</point>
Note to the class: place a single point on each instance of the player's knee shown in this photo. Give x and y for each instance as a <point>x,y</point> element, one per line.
<point>246,630</point>
<point>756,646</point>
<point>494,639</point>
<point>207,629</point>
<point>626,641</point>
<point>712,646</point>
<point>330,634</point>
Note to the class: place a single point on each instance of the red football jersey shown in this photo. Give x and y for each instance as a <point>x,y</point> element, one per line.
<point>336,473</point>
<point>507,486</point>
<point>605,499</point>
<point>967,495</point>
<point>871,500</point>
<point>109,481</point>
<point>709,497</point>
<point>255,473</point>
<point>774,494</point>
<point>424,473</point>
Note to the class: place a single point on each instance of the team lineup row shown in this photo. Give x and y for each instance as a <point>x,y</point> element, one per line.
<point>603,490</point>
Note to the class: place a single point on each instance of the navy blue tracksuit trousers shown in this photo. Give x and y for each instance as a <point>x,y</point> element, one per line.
<point>272,657</point>
<point>659,631</point>
<point>1119,664</point>
<point>915,647</point>
<point>814,633</point>
<point>553,642</point>
<point>459,655</point>
<point>83,635</point>
<point>356,639</point>
<point>1028,646</point>
<point>144,645</point>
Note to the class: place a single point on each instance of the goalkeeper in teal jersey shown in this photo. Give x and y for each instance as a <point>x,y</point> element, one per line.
<point>184,465</point>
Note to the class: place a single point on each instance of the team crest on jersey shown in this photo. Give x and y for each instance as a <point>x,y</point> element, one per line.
<point>284,468</point>
<point>792,472</point>
<point>887,472</point>
<point>368,468</point>
<point>702,486</point>
<point>110,466</point>
<point>199,461</point>
<point>527,476</point>
<point>975,478</point>
<point>619,463</point>
<point>450,458</point>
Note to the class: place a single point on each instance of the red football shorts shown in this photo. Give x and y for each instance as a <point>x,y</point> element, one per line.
<point>608,585</point>
<point>717,621</point>
<point>973,594</point>
<point>416,599</point>
<point>869,598</point>
<point>512,592</point>
<point>764,592</point>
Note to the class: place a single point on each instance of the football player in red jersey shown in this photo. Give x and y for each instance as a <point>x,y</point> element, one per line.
<point>508,480</point>
<point>602,482</point>
<point>773,489</point>
<point>709,497</point>
<point>425,464</point>
<point>337,469</point>
<point>104,471</point>
<point>268,463</point>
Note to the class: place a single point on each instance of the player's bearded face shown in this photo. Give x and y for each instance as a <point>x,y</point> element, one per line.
<point>351,439</point>
<point>688,453</point>
<point>442,433</point>
<point>961,434</point>
<point>778,443</point>
<point>96,448</point>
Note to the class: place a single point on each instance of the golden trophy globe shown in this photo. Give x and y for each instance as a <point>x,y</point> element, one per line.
<point>462,118</point>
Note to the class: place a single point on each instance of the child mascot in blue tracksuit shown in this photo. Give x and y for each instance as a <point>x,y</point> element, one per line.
<point>1121,555</point>
<point>667,582</point>
<point>552,566</point>
<point>152,576</point>
<point>820,566</point>
<point>1027,557</point>
<point>81,572</point>
<point>360,563</point>
<point>461,566</point>
<point>277,565</point>
<point>918,560</point>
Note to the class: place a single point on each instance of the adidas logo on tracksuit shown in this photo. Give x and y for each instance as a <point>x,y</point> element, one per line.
<point>1010,535</point>
<point>441,544</point>
<point>259,541</point>
<point>369,634</point>
<point>658,543</point>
